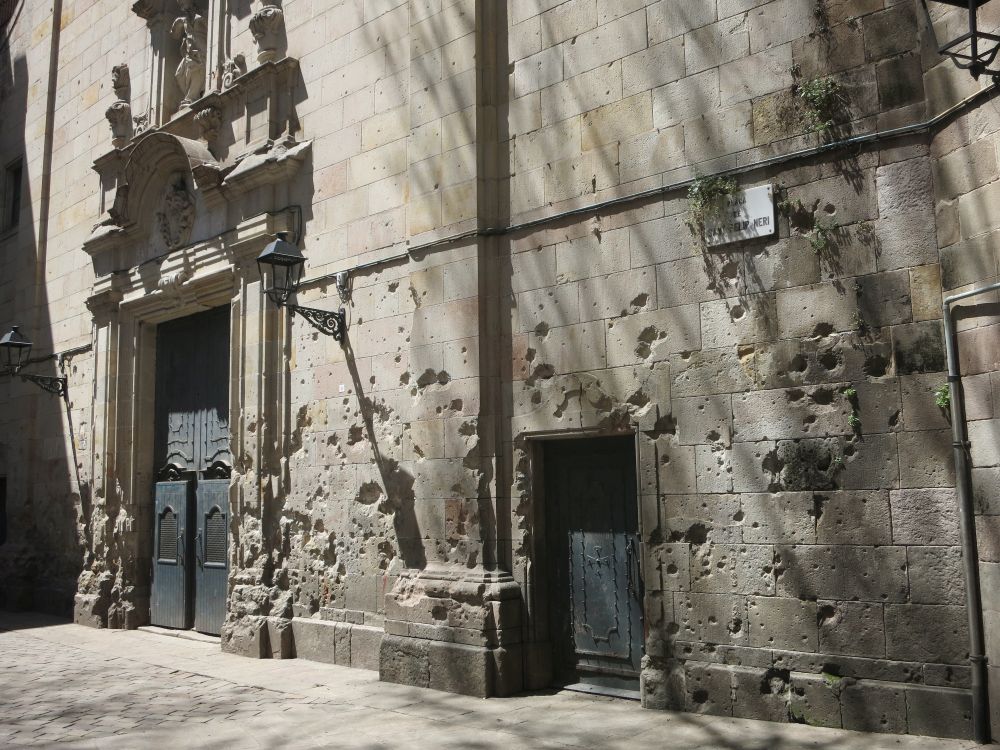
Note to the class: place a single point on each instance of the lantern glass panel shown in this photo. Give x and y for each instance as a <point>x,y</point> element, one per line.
<point>15,349</point>
<point>286,263</point>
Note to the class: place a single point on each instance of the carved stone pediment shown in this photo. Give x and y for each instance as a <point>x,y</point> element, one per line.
<point>155,201</point>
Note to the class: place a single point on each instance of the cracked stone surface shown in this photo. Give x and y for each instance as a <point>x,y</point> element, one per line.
<point>74,687</point>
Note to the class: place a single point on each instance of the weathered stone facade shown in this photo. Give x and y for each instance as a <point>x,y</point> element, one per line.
<point>507,186</point>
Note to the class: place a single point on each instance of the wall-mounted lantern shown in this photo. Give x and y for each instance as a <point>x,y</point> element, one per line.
<point>15,349</point>
<point>974,50</point>
<point>286,263</point>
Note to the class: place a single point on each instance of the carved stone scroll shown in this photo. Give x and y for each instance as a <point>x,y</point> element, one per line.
<point>232,69</point>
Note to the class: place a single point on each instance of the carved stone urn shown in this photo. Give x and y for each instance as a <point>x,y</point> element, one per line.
<point>266,26</point>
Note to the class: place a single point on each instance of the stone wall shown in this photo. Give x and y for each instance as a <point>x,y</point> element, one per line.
<point>507,183</point>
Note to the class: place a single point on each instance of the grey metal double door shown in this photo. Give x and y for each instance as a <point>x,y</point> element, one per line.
<point>594,561</point>
<point>193,463</point>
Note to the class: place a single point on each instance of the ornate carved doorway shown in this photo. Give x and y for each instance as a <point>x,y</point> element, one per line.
<point>593,548</point>
<point>193,462</point>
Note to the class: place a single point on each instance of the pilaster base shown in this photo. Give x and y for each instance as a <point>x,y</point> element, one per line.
<point>453,629</point>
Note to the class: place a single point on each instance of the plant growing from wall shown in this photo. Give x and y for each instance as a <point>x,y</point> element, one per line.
<point>942,397</point>
<point>823,98</point>
<point>821,236</point>
<point>705,194</point>
<point>854,418</point>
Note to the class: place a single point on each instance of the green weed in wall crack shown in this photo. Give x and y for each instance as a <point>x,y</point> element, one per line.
<point>823,99</point>
<point>942,397</point>
<point>705,194</point>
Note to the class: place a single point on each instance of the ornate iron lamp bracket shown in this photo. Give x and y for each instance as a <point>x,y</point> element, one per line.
<point>58,386</point>
<point>326,322</point>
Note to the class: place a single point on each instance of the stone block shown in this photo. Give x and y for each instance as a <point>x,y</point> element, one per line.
<point>874,574</point>
<point>815,700</point>
<point>713,467</point>
<point>927,633</point>
<point>986,490</point>
<point>968,262</point>
<point>965,169</point>
<point>686,98</point>
<point>697,519</point>
<point>756,75</point>
<point>900,82</point>
<point>924,516</point>
<point>979,350</point>
<point>984,436</point>
<point>405,661</point>
<point>925,459</point>
<point>779,518</point>
<point>790,413</point>
<point>890,32</point>
<point>366,647</point>
<point>652,336</point>
<point>732,568</point>
<point>884,298</point>
<point>851,628</point>
<point>247,636</point>
<point>617,295</point>
<point>715,44</point>
<point>868,706</point>
<point>467,670</point>
<point>508,670</point>
<point>685,280</point>
<point>708,689</point>
<point>314,639</point>
<point>920,412</point>
<point>978,211</point>
<point>668,19</point>
<point>720,133</point>
<point>760,694</point>
<point>701,373</point>
<point>703,419</point>
<point>925,290</point>
<point>654,66</point>
<point>816,310</point>
<point>725,323</point>
<point>782,623</point>
<point>906,240</point>
<point>711,618</point>
<point>853,517</point>
<point>936,575</point>
<point>754,467</point>
<point>279,638</point>
<point>938,712</point>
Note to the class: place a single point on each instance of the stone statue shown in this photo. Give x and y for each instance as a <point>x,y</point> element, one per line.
<point>192,29</point>
<point>119,114</point>
<point>176,215</point>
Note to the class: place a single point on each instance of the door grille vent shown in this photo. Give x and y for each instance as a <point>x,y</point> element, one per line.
<point>215,537</point>
<point>167,551</point>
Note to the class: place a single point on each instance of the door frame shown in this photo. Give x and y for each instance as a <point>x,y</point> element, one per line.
<point>126,309</point>
<point>538,665</point>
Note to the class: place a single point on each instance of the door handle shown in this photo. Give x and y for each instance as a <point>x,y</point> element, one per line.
<point>631,560</point>
<point>180,547</point>
<point>197,549</point>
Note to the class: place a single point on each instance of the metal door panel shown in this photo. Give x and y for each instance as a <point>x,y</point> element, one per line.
<point>192,442</point>
<point>593,533</point>
<point>169,605</point>
<point>212,553</point>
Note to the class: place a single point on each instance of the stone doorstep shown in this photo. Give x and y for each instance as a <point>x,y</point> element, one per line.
<point>190,635</point>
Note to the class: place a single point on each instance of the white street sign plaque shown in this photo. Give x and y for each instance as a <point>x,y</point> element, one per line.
<point>742,216</point>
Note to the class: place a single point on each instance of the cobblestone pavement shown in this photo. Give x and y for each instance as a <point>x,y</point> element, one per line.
<point>73,687</point>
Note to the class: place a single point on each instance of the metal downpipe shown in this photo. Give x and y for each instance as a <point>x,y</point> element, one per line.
<point>967,525</point>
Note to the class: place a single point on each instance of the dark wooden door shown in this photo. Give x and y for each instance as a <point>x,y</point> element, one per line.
<point>593,545</point>
<point>192,448</point>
